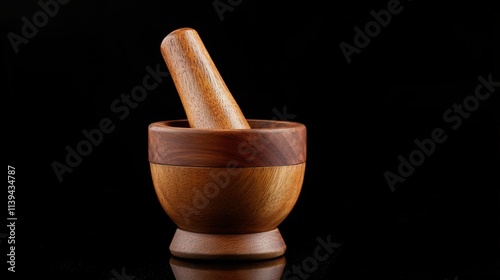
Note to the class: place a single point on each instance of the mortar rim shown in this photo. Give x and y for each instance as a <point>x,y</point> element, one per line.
<point>277,143</point>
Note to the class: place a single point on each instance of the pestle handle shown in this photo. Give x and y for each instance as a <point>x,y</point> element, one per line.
<point>207,101</point>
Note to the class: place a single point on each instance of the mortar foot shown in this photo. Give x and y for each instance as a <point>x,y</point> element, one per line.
<point>250,246</point>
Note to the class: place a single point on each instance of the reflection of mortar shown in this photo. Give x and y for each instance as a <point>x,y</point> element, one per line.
<point>271,269</point>
<point>226,182</point>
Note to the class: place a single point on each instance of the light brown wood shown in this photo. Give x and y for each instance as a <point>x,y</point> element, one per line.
<point>227,200</point>
<point>249,246</point>
<point>207,101</point>
<point>269,269</point>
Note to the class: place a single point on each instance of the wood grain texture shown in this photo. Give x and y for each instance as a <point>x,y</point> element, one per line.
<point>251,246</point>
<point>267,143</point>
<point>269,269</point>
<point>227,201</point>
<point>207,101</point>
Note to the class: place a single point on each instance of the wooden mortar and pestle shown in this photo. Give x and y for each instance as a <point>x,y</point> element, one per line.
<point>225,181</point>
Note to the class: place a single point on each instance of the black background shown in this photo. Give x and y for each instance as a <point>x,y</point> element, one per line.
<point>440,223</point>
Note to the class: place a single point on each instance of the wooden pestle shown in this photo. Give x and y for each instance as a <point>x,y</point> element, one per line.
<point>207,101</point>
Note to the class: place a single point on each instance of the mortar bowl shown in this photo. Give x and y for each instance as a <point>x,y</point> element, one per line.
<point>227,190</point>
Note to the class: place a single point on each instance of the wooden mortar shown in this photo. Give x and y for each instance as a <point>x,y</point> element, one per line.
<point>225,181</point>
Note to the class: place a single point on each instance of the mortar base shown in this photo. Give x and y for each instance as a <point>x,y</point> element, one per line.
<point>251,246</point>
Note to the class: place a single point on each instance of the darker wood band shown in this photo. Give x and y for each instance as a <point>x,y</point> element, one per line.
<point>267,143</point>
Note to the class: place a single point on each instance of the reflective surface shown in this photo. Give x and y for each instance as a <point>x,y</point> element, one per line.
<point>238,270</point>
